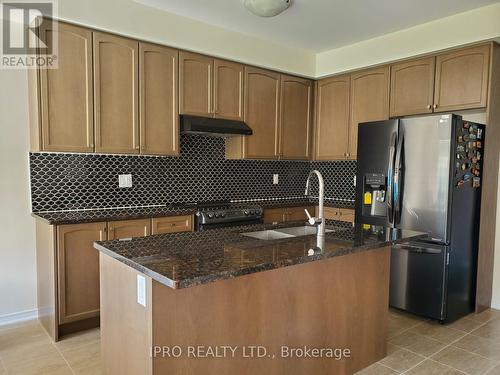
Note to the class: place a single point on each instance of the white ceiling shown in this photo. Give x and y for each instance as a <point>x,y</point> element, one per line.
<point>319,25</point>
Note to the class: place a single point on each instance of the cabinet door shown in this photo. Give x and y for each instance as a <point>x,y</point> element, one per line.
<point>129,229</point>
<point>195,84</point>
<point>298,213</point>
<point>78,270</point>
<point>295,117</point>
<point>159,114</point>
<point>172,224</point>
<point>369,101</point>
<point>274,215</point>
<point>262,91</point>
<point>116,94</point>
<point>412,87</point>
<point>67,117</point>
<point>332,118</point>
<point>462,79</point>
<point>228,90</point>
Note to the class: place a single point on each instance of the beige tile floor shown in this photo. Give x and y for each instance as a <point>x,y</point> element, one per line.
<point>26,349</point>
<point>416,347</point>
<point>470,346</point>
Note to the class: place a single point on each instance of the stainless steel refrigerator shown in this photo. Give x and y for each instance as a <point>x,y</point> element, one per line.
<point>425,174</point>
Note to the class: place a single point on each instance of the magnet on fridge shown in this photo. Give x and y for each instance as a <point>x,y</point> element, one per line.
<point>460,138</point>
<point>479,133</point>
<point>476,182</point>
<point>466,177</point>
<point>460,183</point>
<point>479,144</point>
<point>460,148</point>
<point>466,125</point>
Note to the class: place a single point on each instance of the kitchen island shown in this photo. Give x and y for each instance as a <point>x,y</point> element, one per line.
<point>221,302</point>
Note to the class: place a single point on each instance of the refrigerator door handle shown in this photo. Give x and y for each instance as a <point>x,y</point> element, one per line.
<point>390,179</point>
<point>417,249</point>
<point>397,178</point>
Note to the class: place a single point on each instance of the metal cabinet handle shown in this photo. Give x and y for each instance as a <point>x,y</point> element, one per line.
<point>429,106</point>
<point>435,106</point>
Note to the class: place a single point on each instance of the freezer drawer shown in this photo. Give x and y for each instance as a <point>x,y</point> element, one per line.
<point>418,279</point>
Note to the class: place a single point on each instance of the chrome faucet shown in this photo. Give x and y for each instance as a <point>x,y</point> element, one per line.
<point>318,222</point>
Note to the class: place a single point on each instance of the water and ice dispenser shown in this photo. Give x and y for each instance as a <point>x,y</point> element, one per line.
<point>374,195</point>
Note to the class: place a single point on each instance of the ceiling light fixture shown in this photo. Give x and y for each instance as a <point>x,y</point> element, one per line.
<point>267,8</point>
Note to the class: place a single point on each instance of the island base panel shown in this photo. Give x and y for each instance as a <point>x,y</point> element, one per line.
<point>339,303</point>
<point>125,325</point>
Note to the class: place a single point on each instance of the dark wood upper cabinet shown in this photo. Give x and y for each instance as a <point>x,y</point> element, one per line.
<point>369,101</point>
<point>331,137</point>
<point>462,79</point>
<point>195,84</point>
<point>116,81</point>
<point>228,90</point>
<point>66,98</point>
<point>412,87</point>
<point>262,114</point>
<point>295,119</point>
<point>159,110</point>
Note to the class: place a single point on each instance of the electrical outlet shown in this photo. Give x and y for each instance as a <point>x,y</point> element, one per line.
<point>125,180</point>
<point>141,290</point>
<point>276,179</point>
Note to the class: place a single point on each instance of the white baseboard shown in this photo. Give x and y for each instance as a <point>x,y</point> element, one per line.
<point>17,317</point>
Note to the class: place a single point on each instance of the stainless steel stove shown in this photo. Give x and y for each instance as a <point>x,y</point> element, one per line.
<point>211,215</point>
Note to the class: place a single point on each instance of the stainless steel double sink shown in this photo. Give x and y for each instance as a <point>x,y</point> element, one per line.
<point>277,234</point>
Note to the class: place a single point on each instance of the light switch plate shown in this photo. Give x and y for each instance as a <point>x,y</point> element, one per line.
<point>124,180</point>
<point>141,290</point>
<point>276,179</point>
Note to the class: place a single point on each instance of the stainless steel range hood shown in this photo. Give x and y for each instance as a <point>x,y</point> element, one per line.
<point>213,127</point>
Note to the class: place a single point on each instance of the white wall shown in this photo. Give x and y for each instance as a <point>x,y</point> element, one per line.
<point>129,18</point>
<point>469,27</point>
<point>496,275</point>
<point>17,227</point>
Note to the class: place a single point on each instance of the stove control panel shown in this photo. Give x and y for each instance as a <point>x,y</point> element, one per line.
<point>229,215</point>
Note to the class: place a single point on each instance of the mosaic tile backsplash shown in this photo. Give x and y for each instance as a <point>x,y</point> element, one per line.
<point>201,173</point>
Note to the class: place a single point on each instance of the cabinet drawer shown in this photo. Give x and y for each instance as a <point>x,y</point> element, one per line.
<point>298,213</point>
<point>339,214</point>
<point>346,214</point>
<point>128,229</point>
<point>274,215</point>
<point>172,224</point>
<point>331,213</point>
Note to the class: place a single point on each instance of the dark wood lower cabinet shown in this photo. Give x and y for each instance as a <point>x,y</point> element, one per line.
<point>68,269</point>
<point>282,215</point>
<point>78,270</point>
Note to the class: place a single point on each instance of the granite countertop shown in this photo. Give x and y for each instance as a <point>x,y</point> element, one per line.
<point>89,216</point>
<point>183,260</point>
<point>95,215</point>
